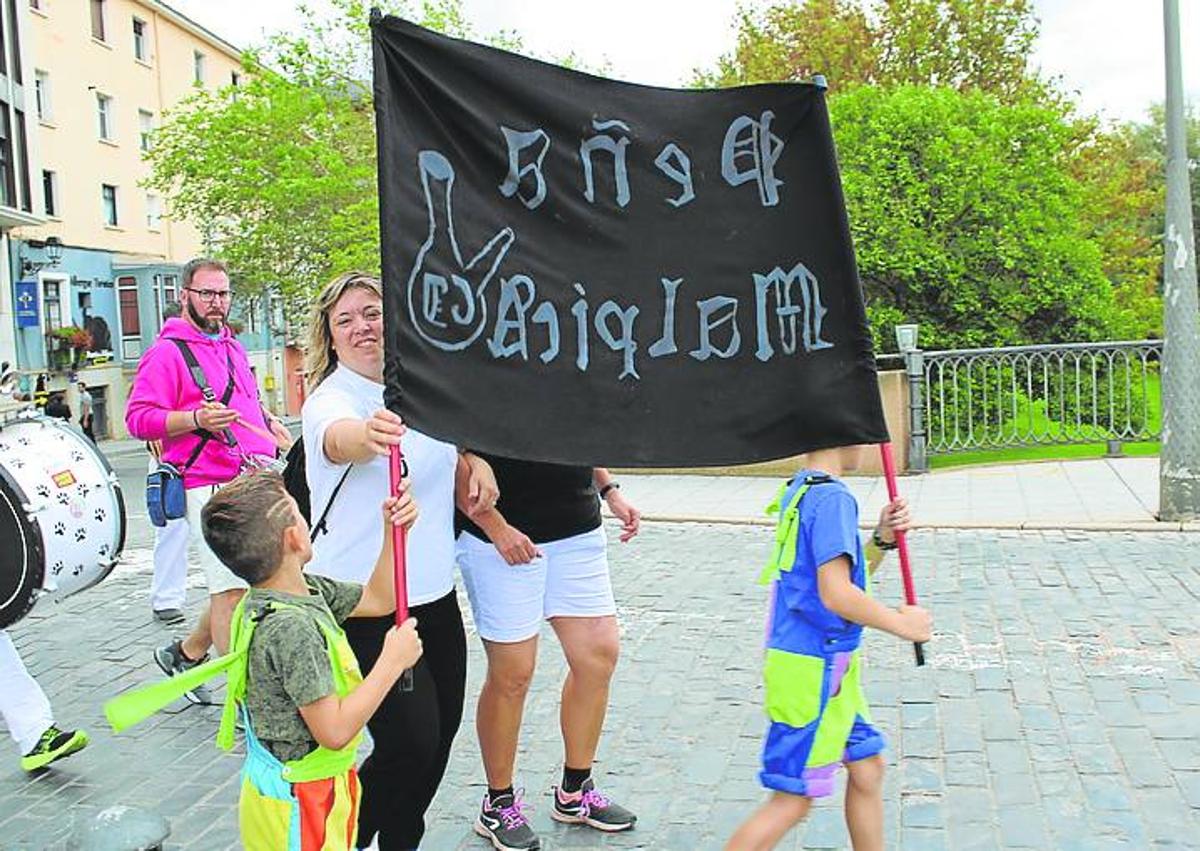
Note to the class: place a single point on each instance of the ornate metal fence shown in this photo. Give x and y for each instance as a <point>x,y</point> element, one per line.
<point>966,399</point>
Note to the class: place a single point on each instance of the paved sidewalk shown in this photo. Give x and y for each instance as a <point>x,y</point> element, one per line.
<point>1118,494</point>
<point>1060,708</point>
<point>1102,494</point>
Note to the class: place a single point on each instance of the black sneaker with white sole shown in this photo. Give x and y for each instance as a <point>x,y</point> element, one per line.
<point>172,661</point>
<point>169,616</point>
<point>503,822</point>
<point>587,806</point>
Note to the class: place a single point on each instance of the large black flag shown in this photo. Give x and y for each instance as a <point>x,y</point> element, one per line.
<point>584,271</point>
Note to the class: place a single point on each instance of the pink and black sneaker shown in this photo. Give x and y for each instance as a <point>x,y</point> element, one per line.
<point>587,806</point>
<point>503,822</point>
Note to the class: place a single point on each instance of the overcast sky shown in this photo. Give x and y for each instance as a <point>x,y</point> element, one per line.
<point>1109,52</point>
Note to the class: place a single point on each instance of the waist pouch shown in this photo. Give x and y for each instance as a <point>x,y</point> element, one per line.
<point>166,498</point>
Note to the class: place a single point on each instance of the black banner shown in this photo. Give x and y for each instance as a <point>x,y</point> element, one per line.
<point>583,271</point>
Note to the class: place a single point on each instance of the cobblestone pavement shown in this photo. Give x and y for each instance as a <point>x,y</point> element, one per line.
<point>1060,707</point>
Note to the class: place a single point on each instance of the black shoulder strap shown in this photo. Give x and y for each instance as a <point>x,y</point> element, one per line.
<point>193,365</point>
<point>198,376</point>
<point>319,528</point>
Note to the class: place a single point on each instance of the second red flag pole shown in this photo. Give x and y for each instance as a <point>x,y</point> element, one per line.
<point>910,591</point>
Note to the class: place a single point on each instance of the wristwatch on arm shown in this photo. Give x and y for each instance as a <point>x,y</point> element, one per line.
<point>878,541</point>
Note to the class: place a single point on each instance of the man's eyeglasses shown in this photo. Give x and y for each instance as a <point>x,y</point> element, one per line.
<point>209,296</point>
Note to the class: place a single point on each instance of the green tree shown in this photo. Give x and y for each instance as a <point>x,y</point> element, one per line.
<point>962,44</point>
<point>967,219</point>
<point>1151,139</point>
<point>280,173</point>
<point>1123,187</point>
<point>794,41</point>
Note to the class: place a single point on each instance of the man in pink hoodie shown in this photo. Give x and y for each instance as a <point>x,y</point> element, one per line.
<point>208,435</point>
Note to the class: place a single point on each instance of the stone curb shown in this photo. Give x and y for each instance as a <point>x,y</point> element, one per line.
<point>1020,526</point>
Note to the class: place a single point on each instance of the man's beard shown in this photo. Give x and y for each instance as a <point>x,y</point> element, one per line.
<point>205,323</point>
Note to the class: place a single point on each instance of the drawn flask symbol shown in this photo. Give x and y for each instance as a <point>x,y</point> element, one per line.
<point>446,294</point>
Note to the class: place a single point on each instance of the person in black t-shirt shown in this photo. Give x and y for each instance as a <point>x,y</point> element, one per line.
<point>540,554</point>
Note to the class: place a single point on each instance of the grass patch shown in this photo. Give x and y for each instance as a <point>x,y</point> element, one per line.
<point>1037,453</point>
<point>1033,419</point>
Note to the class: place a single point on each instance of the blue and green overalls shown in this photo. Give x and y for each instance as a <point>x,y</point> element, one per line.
<point>309,804</point>
<point>818,715</point>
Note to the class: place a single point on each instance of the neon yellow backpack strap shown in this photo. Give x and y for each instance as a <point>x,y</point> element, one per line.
<point>133,707</point>
<point>777,503</point>
<point>786,530</point>
<point>241,630</point>
<point>125,710</point>
<point>324,762</point>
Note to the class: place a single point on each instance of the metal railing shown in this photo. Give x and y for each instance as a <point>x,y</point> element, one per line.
<point>971,399</point>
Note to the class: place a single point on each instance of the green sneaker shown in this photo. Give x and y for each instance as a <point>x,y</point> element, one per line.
<point>54,744</point>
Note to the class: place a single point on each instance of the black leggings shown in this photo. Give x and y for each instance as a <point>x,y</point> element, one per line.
<point>412,731</point>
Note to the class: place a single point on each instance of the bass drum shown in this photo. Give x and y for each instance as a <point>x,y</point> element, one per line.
<point>62,509</point>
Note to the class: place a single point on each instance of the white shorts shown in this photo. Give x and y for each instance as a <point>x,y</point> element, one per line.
<point>509,602</point>
<point>217,576</point>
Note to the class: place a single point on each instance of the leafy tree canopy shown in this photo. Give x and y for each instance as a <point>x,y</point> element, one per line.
<point>280,172</point>
<point>966,218</point>
<point>961,44</point>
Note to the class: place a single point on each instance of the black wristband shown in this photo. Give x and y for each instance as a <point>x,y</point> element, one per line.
<point>196,418</point>
<point>611,486</point>
<point>881,543</point>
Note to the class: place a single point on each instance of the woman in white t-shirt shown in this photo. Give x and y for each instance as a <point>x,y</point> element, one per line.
<point>347,437</point>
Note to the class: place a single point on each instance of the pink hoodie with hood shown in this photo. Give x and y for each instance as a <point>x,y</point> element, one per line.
<point>164,384</point>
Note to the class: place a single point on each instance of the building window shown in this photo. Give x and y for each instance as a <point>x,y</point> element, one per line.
<point>98,20</point>
<point>127,297</point>
<point>153,211</point>
<point>145,128</point>
<point>22,141</point>
<point>166,291</point>
<point>41,89</point>
<point>198,67</point>
<point>15,42</point>
<point>52,305</point>
<point>50,192</point>
<point>108,198</point>
<point>235,79</point>
<point>8,177</point>
<point>3,52</point>
<point>139,41</point>
<point>104,116</point>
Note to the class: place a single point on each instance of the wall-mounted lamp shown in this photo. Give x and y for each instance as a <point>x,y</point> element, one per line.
<point>53,249</point>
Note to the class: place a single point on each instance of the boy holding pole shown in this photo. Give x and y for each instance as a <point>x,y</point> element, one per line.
<point>819,575</point>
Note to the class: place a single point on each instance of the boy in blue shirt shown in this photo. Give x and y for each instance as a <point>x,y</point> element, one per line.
<point>819,605</point>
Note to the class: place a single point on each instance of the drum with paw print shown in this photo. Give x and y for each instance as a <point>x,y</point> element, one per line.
<point>62,514</point>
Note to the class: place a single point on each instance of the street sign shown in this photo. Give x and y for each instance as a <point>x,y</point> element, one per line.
<point>26,300</point>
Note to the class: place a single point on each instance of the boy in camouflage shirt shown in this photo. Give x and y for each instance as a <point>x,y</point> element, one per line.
<point>303,700</point>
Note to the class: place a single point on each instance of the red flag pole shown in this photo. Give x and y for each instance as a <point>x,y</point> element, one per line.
<point>400,556</point>
<point>910,592</point>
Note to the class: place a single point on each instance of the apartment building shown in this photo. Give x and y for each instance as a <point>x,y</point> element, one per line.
<point>96,250</point>
<point>19,204</point>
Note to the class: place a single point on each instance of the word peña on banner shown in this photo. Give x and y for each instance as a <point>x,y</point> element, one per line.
<point>448,298</point>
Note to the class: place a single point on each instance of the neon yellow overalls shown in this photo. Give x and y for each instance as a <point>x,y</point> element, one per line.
<point>309,804</point>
